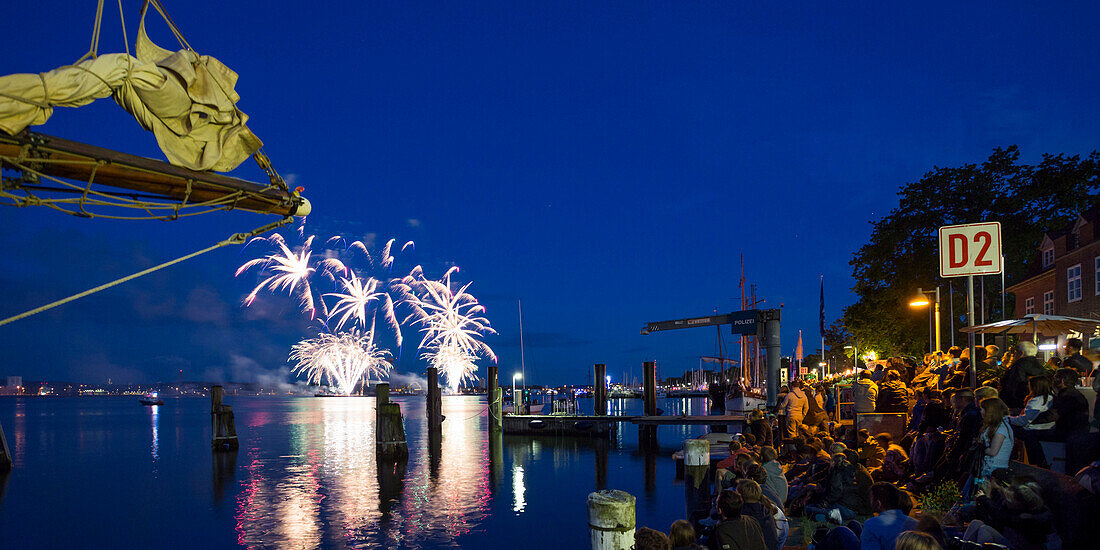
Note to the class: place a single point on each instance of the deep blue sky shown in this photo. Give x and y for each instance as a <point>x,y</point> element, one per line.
<point>607,163</point>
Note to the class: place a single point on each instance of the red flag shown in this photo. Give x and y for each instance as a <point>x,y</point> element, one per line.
<point>798,349</point>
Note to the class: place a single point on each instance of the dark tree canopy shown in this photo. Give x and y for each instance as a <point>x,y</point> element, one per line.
<point>902,256</point>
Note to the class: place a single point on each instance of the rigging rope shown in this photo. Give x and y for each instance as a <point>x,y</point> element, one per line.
<point>236,238</point>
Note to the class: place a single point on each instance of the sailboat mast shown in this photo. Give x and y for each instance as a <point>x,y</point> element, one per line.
<point>522,364</point>
<point>744,349</point>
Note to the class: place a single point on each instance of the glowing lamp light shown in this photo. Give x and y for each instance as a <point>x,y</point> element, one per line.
<point>1048,347</point>
<point>517,376</point>
<point>919,302</point>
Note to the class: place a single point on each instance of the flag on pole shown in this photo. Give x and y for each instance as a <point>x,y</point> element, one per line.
<point>821,320</point>
<point>798,352</point>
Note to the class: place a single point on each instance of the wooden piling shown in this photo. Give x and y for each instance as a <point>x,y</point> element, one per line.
<point>389,429</point>
<point>6,462</point>
<point>697,476</point>
<point>647,435</point>
<point>599,386</point>
<point>434,402</point>
<point>223,428</point>
<point>649,381</point>
<point>493,395</point>
<point>611,520</point>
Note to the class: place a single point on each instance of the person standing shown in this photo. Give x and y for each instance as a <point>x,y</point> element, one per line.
<point>1074,359</point>
<point>865,393</point>
<point>1014,382</point>
<point>795,406</point>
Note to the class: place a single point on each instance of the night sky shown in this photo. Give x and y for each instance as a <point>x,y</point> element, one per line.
<point>605,163</point>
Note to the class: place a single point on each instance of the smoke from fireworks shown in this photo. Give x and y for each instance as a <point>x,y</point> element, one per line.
<point>453,324</point>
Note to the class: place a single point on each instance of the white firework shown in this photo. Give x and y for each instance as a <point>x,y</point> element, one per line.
<point>340,360</point>
<point>453,325</point>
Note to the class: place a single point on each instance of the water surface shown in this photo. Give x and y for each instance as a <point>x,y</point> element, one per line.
<point>105,472</point>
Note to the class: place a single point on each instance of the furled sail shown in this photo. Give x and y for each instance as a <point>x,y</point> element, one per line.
<point>187,100</point>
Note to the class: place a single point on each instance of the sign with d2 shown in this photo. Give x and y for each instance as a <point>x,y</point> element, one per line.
<point>970,249</point>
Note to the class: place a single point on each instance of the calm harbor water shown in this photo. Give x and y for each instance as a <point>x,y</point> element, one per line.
<point>108,473</point>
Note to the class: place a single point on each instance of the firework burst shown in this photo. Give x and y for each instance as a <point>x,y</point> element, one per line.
<point>287,270</point>
<point>340,360</point>
<point>452,323</point>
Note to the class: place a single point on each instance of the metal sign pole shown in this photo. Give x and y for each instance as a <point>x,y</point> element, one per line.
<point>970,323</point>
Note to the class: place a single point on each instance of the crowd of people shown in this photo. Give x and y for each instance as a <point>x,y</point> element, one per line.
<point>859,490</point>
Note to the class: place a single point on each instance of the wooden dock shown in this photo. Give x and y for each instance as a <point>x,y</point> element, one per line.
<point>601,424</point>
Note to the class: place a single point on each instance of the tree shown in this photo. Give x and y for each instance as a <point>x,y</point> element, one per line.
<point>901,254</point>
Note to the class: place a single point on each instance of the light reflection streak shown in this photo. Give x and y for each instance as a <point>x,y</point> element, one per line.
<point>154,413</point>
<point>519,489</point>
<point>19,434</point>
<point>328,492</point>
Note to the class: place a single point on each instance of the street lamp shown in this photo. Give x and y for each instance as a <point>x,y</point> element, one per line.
<point>921,300</point>
<point>515,401</point>
<point>855,355</point>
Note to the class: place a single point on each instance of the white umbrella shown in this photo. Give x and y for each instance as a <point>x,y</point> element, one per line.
<point>1036,324</point>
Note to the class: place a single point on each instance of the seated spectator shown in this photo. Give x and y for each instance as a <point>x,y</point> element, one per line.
<point>961,440</point>
<point>650,539</point>
<point>893,397</point>
<point>871,454</point>
<point>916,540</point>
<point>840,498</point>
<point>1039,399</point>
<point>761,509</point>
<point>996,435</point>
<point>777,482</point>
<point>1013,515</point>
<point>915,415</point>
<point>734,530</point>
<point>1070,413</point>
<point>681,536</point>
<point>839,538</point>
<point>895,465</point>
<point>760,428</point>
<point>881,531</point>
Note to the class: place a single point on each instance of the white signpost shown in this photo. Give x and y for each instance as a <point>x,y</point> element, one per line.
<point>965,251</point>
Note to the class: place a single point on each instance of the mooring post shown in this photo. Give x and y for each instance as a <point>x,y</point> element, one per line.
<point>772,343</point>
<point>224,429</point>
<point>389,430</point>
<point>435,399</point>
<point>697,475</point>
<point>599,387</point>
<point>649,377</point>
<point>611,520</point>
<point>493,396</point>
<point>6,461</point>
<point>647,435</point>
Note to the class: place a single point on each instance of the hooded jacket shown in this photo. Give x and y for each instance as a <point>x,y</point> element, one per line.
<point>865,393</point>
<point>892,398</point>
